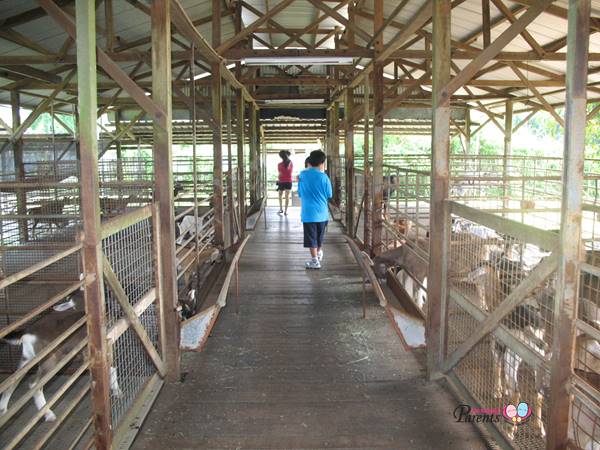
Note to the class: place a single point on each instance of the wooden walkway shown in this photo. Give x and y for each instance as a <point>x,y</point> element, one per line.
<point>300,368</point>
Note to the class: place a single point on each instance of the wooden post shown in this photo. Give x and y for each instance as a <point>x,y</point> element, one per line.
<point>565,304</point>
<point>19,165</point>
<point>335,152</point>
<point>230,202</point>
<point>438,223</point>
<point>90,209</point>
<point>378,85</point>
<point>367,169</point>
<point>163,179</point>
<point>349,157</point>
<point>508,125</point>
<point>259,190</point>
<point>217,154</point>
<point>216,23</point>
<point>240,161</point>
<point>252,159</point>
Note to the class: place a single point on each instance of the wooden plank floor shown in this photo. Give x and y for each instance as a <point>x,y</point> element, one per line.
<point>300,368</point>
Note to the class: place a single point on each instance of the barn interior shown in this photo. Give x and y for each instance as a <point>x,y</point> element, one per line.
<point>143,264</point>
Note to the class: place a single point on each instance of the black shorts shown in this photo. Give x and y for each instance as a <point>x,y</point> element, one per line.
<point>284,186</point>
<point>314,234</point>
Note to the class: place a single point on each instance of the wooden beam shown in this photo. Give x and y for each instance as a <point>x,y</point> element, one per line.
<point>186,27</point>
<point>493,49</point>
<point>439,233</point>
<point>486,23</point>
<point>90,211</point>
<point>537,95</point>
<point>565,303</point>
<point>241,53</point>
<point>341,19</point>
<point>417,21</point>
<point>217,113</point>
<point>378,115</point>
<point>511,18</point>
<point>30,72</point>
<point>247,30</point>
<point>163,186</point>
<point>537,276</point>
<point>349,162</point>
<point>366,167</point>
<point>41,108</point>
<point>240,107</point>
<point>108,65</point>
<point>134,322</point>
<point>508,129</point>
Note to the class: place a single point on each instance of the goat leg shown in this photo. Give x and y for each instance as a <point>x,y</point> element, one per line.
<point>7,394</point>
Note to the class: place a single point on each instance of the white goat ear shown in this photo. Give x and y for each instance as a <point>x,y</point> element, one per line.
<point>70,304</point>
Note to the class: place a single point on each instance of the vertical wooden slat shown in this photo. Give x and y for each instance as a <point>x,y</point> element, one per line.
<point>349,157</point>
<point>17,144</point>
<point>367,168</point>
<point>240,159</point>
<point>217,110</point>
<point>253,152</point>
<point>508,126</point>
<point>565,305</point>
<point>335,151</point>
<point>230,202</point>
<point>438,223</point>
<point>378,85</point>
<point>163,179</point>
<point>90,209</point>
<point>216,23</point>
<point>486,23</point>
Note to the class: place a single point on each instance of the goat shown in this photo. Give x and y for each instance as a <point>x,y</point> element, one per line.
<point>177,189</point>
<point>35,337</point>
<point>110,205</point>
<point>51,207</point>
<point>406,258</point>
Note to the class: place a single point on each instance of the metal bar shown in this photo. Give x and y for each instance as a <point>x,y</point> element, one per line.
<point>163,175</point>
<point>565,303</point>
<point>440,171</point>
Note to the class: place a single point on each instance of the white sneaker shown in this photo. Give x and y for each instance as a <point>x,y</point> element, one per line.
<point>320,255</point>
<point>313,264</point>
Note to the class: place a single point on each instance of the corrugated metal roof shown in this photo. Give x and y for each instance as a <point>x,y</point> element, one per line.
<point>132,24</point>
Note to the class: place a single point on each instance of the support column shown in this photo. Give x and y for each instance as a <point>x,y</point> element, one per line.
<point>19,165</point>
<point>252,159</point>
<point>163,183</point>
<point>508,126</point>
<point>240,161</point>
<point>367,168</point>
<point>438,215</point>
<point>565,304</point>
<point>217,111</point>
<point>349,157</point>
<point>335,153</point>
<point>378,136</point>
<point>230,202</point>
<point>90,211</point>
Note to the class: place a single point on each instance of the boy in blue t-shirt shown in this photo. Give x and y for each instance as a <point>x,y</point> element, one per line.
<point>314,188</point>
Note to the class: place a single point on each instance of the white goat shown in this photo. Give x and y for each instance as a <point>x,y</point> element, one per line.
<point>35,337</point>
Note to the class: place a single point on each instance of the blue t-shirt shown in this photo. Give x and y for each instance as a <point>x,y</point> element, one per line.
<point>314,188</point>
